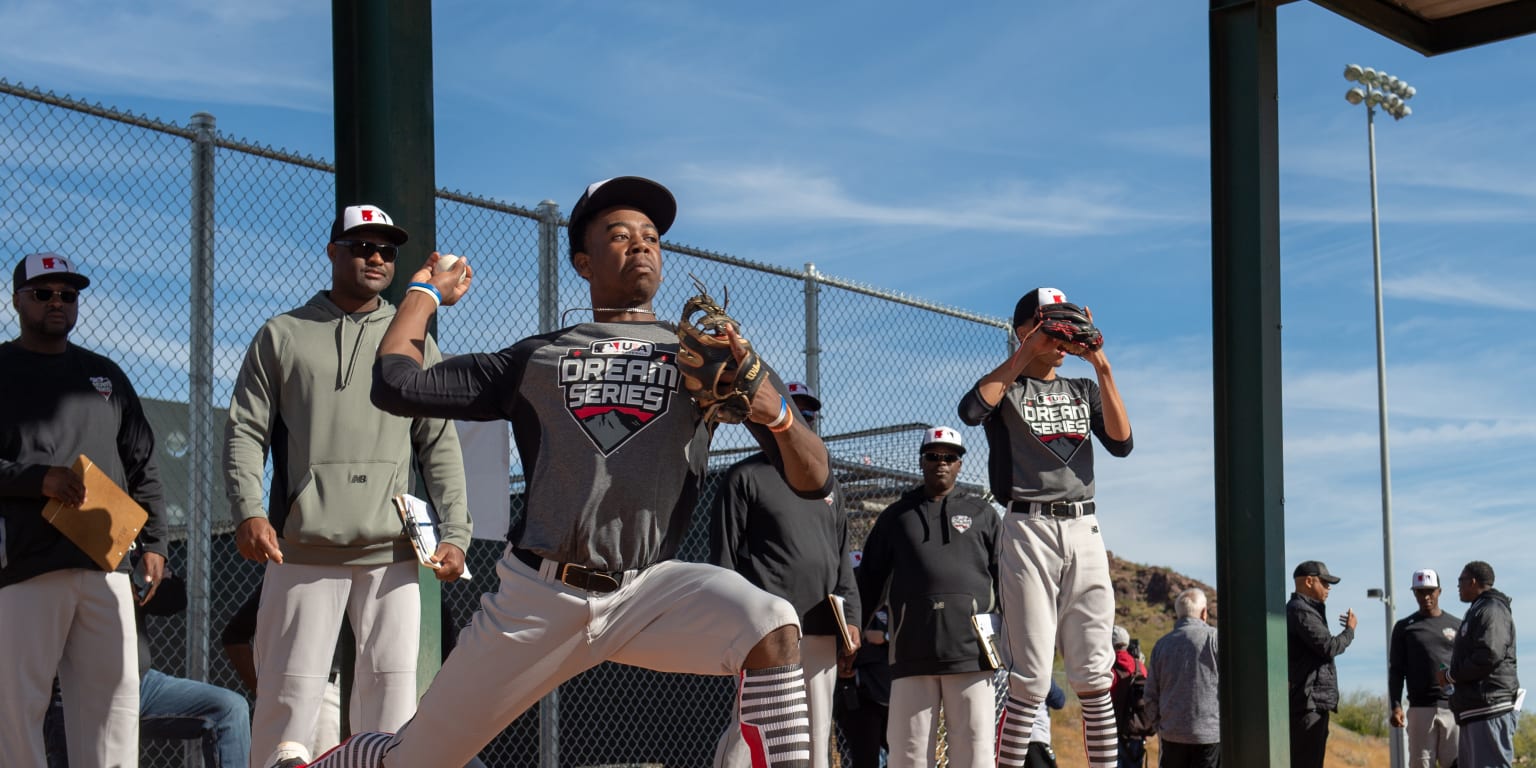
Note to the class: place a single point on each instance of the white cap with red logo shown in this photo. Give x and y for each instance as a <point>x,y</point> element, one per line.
<point>942,436</point>
<point>1426,578</point>
<point>366,218</point>
<point>802,390</point>
<point>35,266</point>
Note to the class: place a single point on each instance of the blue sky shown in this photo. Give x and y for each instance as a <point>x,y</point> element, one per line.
<point>969,154</point>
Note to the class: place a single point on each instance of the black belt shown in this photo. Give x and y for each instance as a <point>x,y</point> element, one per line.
<point>1064,509</point>
<point>573,575</point>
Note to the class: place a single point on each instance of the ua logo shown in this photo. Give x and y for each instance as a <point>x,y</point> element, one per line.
<point>615,387</point>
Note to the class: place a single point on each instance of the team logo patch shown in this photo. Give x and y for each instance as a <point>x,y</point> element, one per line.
<point>103,386</point>
<point>616,387</point>
<point>962,523</point>
<point>1450,634</point>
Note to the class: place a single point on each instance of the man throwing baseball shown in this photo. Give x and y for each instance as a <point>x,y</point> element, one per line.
<point>1053,572</point>
<point>614,448</point>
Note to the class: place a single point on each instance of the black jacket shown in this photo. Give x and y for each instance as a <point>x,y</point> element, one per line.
<point>1483,660</point>
<point>1420,644</point>
<point>935,562</point>
<point>1314,680</point>
<point>785,544</point>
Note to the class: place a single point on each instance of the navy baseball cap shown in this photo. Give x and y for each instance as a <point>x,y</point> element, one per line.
<point>37,266</point>
<point>642,194</point>
<point>1314,568</point>
<point>1030,303</point>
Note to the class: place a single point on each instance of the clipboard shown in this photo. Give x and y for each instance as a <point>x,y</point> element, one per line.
<point>988,626</point>
<point>841,614</point>
<point>106,525</point>
<point>419,520</point>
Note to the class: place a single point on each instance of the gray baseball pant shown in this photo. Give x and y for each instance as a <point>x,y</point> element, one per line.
<point>78,623</point>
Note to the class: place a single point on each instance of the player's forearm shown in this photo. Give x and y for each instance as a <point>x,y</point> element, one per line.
<point>807,468</point>
<point>1116,423</point>
<point>407,332</point>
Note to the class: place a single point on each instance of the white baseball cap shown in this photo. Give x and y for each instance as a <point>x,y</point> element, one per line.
<point>801,389</point>
<point>366,218</point>
<point>1426,578</point>
<point>942,436</point>
<point>35,266</point>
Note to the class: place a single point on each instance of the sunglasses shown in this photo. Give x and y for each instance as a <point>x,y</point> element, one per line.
<point>45,295</point>
<point>810,416</point>
<point>943,458</point>
<point>362,249</point>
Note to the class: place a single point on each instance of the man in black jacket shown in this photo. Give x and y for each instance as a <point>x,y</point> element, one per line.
<point>60,611</point>
<point>797,549</point>
<point>1314,681</point>
<point>1483,672</point>
<point>932,555</point>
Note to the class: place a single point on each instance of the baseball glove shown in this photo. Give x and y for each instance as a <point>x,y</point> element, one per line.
<point>721,386</point>
<point>1068,322</point>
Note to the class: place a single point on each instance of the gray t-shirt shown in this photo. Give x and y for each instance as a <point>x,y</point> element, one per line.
<point>1037,437</point>
<point>612,445</point>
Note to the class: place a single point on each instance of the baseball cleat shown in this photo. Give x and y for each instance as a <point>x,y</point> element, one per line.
<point>289,754</point>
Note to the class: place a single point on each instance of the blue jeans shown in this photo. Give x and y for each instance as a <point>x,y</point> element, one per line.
<point>173,708</point>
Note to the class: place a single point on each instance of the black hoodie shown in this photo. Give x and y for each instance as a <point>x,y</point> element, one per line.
<point>935,563</point>
<point>1483,660</point>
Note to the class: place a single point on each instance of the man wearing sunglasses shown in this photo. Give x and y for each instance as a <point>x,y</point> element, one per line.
<point>1053,579</point>
<point>1310,651</point>
<point>332,541</point>
<point>59,613</point>
<point>932,555</point>
<point>795,548</point>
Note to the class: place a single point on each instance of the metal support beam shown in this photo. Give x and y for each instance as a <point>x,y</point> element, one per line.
<point>1245,283</point>
<point>382,58</point>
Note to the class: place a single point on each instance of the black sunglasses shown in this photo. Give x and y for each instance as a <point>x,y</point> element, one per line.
<point>362,249</point>
<point>810,415</point>
<point>944,458</point>
<point>45,295</point>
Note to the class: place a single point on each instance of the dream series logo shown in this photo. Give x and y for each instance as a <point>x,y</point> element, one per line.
<point>615,387</point>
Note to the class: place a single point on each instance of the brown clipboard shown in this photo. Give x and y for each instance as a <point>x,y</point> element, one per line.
<point>106,525</point>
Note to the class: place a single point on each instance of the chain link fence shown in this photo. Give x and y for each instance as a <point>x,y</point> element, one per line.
<point>192,240</point>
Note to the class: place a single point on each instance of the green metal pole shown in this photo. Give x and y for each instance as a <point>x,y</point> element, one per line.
<point>1245,283</point>
<point>382,55</point>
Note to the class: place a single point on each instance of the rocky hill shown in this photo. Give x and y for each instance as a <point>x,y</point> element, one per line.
<point>1144,598</point>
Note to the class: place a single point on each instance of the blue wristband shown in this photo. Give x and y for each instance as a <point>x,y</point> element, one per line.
<point>437,296</point>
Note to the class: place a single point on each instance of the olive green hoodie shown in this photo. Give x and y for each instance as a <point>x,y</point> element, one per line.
<point>303,394</point>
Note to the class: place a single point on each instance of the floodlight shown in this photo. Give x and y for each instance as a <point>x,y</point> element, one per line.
<point>1408,92</point>
<point>1353,72</point>
<point>1369,76</point>
<point>1354,95</point>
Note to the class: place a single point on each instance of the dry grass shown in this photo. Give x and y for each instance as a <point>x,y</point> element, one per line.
<point>1345,748</point>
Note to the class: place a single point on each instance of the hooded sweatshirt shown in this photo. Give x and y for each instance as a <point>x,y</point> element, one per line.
<point>303,395</point>
<point>936,564</point>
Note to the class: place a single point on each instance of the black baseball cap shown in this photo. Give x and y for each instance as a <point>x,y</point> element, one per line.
<point>37,266</point>
<point>1030,303</point>
<point>1314,568</point>
<point>644,195</point>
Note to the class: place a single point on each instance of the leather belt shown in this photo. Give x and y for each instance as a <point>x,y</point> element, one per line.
<point>573,575</point>
<point>1061,509</point>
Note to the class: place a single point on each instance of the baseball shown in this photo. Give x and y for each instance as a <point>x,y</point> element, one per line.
<point>446,261</point>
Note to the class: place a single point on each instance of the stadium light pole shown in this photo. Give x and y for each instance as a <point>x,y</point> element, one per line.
<point>1378,89</point>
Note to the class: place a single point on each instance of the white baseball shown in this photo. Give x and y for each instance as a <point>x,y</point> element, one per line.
<point>446,261</point>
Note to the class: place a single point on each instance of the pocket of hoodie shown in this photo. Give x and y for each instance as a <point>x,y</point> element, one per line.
<point>944,621</point>
<point>344,504</point>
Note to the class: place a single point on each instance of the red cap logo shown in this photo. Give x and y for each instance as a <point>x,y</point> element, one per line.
<point>367,214</point>
<point>48,262</point>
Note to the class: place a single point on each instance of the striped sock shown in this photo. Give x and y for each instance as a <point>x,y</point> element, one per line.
<point>775,718</point>
<point>1013,732</point>
<point>362,750</point>
<point>1099,737</point>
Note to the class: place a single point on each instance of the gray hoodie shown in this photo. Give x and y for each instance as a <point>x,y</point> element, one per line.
<point>337,460</point>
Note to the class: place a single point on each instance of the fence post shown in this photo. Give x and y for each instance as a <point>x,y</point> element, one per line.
<point>549,266</point>
<point>200,406</point>
<point>813,328</point>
